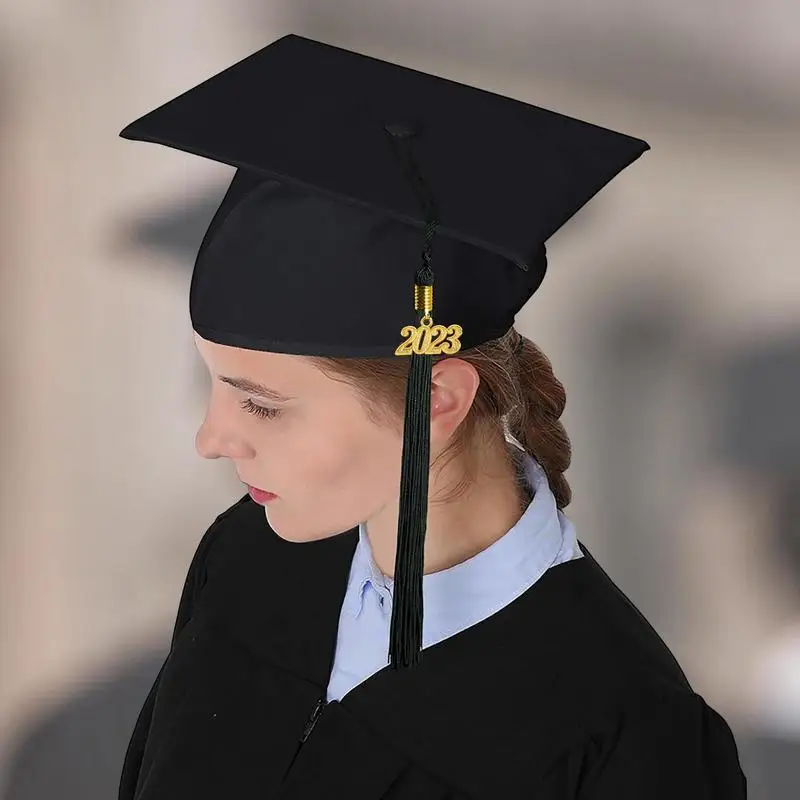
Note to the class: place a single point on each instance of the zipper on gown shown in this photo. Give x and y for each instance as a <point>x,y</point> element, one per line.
<point>322,703</point>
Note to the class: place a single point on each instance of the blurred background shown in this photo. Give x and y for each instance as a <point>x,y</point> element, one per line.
<point>671,312</point>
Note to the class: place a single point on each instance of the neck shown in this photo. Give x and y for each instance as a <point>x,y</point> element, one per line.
<point>461,529</point>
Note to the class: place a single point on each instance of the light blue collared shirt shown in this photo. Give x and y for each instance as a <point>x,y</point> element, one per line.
<point>455,598</point>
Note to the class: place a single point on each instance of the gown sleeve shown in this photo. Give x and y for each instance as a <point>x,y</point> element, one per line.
<point>679,748</point>
<point>195,579</point>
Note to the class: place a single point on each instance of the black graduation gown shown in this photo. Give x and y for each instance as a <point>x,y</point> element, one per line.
<point>567,692</point>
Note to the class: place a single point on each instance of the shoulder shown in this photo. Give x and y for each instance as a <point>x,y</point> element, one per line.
<point>599,625</point>
<point>241,546</point>
<point>238,545</point>
<point>670,744</point>
<point>240,527</point>
<point>636,727</point>
<point>197,575</point>
<point>232,519</point>
<point>639,729</point>
<point>242,566</point>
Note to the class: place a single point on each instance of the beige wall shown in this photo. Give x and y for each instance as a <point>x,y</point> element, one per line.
<point>103,496</point>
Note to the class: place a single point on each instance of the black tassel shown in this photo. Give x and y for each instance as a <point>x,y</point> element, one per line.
<point>405,635</point>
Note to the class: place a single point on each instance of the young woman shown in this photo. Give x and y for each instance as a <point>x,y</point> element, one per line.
<point>398,607</point>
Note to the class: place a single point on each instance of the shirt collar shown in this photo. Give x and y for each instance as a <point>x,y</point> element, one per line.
<point>482,584</point>
<point>364,571</point>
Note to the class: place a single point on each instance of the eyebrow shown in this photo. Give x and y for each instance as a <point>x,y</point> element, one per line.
<point>251,387</point>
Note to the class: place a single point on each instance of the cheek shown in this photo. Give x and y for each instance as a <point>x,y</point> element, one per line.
<point>334,476</point>
<point>347,459</point>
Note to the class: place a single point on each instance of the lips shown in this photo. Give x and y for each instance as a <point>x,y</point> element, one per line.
<point>260,496</point>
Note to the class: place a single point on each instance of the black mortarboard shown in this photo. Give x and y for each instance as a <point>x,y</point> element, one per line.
<point>346,168</point>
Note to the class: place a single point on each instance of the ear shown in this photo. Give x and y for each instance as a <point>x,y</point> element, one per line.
<point>454,384</point>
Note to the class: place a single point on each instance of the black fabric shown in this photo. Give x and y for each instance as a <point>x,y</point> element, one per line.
<point>506,174</point>
<point>565,693</point>
<point>289,272</point>
<point>315,248</point>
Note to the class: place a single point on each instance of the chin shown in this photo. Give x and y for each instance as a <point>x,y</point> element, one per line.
<point>290,533</point>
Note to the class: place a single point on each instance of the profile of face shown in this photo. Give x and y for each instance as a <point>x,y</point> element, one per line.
<point>329,464</point>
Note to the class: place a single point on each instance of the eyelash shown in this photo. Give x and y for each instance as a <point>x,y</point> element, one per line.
<point>260,411</point>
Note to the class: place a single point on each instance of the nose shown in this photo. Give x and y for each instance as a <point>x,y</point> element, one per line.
<point>215,440</point>
<point>204,443</point>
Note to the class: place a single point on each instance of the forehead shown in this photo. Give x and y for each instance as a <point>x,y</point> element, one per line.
<point>280,370</point>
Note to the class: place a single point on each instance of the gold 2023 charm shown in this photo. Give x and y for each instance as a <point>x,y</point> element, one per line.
<point>429,339</point>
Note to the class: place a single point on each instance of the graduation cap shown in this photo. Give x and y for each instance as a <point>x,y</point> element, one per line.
<point>358,181</point>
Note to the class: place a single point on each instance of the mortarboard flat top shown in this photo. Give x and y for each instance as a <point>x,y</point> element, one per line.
<point>506,175</point>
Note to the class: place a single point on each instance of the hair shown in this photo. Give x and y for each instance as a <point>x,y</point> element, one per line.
<point>518,395</point>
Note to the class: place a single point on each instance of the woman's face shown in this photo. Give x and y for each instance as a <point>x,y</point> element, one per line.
<point>330,466</point>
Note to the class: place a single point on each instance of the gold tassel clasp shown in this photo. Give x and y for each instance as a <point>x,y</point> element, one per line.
<point>427,338</point>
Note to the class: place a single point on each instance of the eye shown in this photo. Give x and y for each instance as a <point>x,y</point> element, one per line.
<point>260,411</point>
